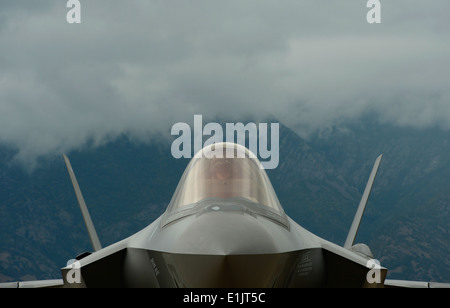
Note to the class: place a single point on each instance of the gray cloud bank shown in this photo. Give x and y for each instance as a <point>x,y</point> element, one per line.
<point>138,67</point>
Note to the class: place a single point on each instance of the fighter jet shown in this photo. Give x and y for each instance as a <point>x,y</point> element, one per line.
<point>224,227</point>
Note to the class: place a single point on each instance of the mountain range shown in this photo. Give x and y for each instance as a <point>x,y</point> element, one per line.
<point>319,181</point>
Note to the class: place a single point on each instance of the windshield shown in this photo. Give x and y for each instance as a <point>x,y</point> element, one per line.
<point>224,171</point>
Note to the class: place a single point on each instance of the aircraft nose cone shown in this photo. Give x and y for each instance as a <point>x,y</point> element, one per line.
<point>225,233</point>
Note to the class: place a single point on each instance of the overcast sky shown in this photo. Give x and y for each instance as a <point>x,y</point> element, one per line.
<point>138,67</point>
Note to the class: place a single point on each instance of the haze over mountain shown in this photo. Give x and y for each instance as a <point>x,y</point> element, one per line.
<point>138,67</point>
<point>319,182</point>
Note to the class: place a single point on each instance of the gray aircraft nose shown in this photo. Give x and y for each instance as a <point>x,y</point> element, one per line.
<point>227,233</point>
<point>214,249</point>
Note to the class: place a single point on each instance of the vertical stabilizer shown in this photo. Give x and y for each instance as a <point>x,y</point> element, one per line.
<point>87,218</point>
<point>362,205</point>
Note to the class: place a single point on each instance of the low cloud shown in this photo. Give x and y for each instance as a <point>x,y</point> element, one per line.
<point>138,67</point>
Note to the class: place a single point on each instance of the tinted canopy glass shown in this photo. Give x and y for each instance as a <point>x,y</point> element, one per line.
<point>225,171</point>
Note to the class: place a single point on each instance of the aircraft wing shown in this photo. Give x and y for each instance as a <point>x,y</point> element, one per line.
<point>102,268</point>
<point>393,283</point>
<point>350,269</point>
<point>51,283</point>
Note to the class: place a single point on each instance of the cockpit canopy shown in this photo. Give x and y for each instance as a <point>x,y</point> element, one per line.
<point>225,172</point>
